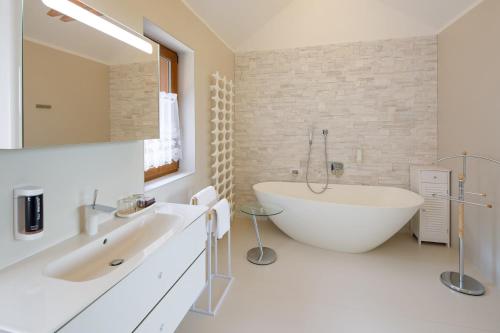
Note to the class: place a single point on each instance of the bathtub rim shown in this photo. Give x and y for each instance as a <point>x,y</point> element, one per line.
<point>420,197</point>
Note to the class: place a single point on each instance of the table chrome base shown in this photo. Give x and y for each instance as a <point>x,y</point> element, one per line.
<point>469,286</point>
<point>267,257</point>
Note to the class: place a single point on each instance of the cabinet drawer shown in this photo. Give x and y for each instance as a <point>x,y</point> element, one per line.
<point>436,206</point>
<point>433,222</point>
<point>427,189</point>
<point>123,307</point>
<point>439,177</point>
<point>168,314</point>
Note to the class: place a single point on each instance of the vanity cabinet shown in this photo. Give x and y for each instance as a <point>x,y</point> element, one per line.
<point>432,223</point>
<point>156,295</point>
<point>170,311</point>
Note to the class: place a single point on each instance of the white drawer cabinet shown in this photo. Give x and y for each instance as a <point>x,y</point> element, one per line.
<point>168,314</point>
<point>432,223</point>
<point>125,306</point>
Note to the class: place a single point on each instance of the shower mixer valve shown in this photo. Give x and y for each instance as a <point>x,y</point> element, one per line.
<point>337,168</point>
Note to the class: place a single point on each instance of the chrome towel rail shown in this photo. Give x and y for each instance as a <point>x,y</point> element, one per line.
<point>459,281</point>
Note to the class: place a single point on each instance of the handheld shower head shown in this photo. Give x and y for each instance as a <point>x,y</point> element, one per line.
<point>324,132</point>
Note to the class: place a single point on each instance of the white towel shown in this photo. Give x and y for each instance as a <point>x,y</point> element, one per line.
<point>223,213</point>
<point>206,197</point>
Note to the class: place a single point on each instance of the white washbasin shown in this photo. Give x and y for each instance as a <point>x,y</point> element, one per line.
<point>125,246</point>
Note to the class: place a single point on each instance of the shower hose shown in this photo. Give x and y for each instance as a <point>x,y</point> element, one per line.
<point>323,190</point>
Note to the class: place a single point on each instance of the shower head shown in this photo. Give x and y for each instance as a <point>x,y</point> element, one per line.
<point>325,132</point>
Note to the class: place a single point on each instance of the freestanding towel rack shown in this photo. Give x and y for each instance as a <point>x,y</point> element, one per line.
<point>213,272</point>
<point>458,281</point>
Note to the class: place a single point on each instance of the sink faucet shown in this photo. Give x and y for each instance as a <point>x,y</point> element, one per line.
<point>100,208</point>
<point>96,192</point>
<point>95,215</point>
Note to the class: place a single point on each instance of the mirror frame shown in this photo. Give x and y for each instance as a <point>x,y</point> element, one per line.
<point>11,90</point>
<point>11,106</point>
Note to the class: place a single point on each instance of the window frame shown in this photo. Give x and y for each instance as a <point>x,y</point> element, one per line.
<point>171,84</point>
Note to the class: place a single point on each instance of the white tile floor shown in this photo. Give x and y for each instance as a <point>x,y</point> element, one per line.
<point>394,288</point>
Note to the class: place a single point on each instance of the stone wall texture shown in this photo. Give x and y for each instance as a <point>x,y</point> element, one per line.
<point>380,97</point>
<point>134,96</point>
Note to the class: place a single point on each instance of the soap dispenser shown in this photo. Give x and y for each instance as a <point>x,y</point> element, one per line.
<point>28,213</point>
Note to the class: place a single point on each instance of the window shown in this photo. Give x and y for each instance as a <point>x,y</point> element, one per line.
<point>162,156</point>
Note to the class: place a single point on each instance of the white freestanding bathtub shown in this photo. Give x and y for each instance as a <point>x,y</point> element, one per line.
<point>346,218</point>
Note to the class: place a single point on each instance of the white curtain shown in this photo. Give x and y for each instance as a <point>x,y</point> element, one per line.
<point>168,148</point>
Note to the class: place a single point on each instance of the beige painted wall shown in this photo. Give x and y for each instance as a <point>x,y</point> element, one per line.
<point>69,174</point>
<point>80,108</point>
<point>210,55</point>
<point>468,119</point>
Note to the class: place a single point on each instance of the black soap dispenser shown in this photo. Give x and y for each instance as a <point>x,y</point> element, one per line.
<point>28,213</point>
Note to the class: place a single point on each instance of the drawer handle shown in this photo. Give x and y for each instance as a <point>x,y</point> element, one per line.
<point>160,275</point>
<point>435,177</point>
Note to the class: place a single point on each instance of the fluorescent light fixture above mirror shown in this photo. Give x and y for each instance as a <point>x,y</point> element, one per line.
<point>78,13</point>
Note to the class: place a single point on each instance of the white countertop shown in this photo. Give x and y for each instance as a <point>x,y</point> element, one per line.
<point>31,302</point>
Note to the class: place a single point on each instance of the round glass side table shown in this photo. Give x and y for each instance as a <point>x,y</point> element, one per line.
<point>260,255</point>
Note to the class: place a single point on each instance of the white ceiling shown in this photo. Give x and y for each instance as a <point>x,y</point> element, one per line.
<point>236,20</point>
<point>247,25</point>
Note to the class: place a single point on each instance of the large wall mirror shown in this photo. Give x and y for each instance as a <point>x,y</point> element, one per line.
<point>86,78</point>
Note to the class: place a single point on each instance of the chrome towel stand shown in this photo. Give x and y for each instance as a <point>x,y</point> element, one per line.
<point>459,281</point>
<point>212,310</point>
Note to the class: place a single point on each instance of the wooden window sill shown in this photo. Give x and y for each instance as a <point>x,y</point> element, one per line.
<point>161,171</point>
<point>163,181</point>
